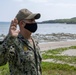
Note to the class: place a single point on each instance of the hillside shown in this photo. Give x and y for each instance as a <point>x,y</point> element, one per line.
<point>67,21</point>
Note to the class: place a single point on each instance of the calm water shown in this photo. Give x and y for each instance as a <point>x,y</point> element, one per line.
<point>44,28</point>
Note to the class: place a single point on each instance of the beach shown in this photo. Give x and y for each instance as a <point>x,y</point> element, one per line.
<point>59,44</point>
<point>53,41</point>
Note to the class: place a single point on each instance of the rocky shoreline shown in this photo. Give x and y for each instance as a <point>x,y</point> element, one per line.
<point>2,36</point>
<point>50,37</point>
<point>54,37</point>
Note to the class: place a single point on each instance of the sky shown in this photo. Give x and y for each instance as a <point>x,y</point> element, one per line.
<point>49,9</point>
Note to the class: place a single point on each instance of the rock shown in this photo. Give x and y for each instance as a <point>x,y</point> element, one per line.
<point>54,37</point>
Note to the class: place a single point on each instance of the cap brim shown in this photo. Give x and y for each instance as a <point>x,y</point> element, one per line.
<point>35,16</point>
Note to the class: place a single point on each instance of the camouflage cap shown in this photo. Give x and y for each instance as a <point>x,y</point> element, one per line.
<point>26,14</point>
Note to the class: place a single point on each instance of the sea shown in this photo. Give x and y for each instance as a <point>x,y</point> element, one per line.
<point>44,28</point>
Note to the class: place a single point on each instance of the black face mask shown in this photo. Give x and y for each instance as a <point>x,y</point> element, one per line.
<point>32,27</point>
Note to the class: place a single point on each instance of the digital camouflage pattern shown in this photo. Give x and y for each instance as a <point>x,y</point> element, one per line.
<point>22,57</point>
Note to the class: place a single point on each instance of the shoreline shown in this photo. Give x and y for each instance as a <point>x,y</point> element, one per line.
<point>54,37</point>
<point>54,45</point>
<point>52,41</point>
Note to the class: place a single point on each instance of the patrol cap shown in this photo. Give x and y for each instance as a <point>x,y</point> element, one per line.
<point>26,14</point>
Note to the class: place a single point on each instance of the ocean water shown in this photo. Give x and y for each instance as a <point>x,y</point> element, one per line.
<point>44,28</point>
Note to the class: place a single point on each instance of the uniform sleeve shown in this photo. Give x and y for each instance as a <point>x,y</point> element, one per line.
<point>4,49</point>
<point>3,55</point>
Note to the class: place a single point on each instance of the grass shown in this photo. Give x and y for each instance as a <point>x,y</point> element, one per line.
<point>56,51</point>
<point>59,50</point>
<point>55,54</point>
<point>4,70</point>
<point>49,68</point>
<point>67,59</point>
<point>57,69</point>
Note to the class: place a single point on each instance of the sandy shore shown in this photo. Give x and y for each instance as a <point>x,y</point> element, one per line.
<point>53,45</point>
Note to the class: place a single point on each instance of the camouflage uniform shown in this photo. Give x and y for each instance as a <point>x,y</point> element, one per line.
<point>22,57</point>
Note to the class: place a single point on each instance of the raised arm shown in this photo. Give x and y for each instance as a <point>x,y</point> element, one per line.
<point>8,41</point>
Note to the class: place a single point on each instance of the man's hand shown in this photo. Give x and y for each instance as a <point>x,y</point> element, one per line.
<point>13,28</point>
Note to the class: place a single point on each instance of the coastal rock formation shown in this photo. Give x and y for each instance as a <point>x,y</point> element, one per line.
<point>50,37</point>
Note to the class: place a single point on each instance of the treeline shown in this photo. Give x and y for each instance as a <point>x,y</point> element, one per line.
<point>67,21</point>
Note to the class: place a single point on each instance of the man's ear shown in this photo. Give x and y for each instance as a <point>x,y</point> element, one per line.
<point>21,23</point>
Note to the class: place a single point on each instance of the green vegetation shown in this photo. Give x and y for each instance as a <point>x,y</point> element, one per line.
<point>67,59</point>
<point>55,54</point>
<point>58,50</point>
<point>4,70</point>
<point>67,21</point>
<point>57,69</point>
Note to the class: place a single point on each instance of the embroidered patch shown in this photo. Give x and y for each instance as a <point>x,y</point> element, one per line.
<point>25,48</point>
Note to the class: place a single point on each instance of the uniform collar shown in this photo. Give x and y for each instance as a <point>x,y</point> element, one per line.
<point>25,40</point>
<point>22,38</point>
